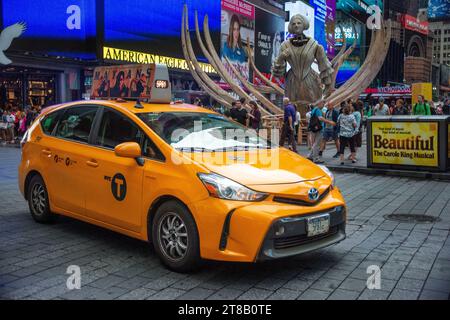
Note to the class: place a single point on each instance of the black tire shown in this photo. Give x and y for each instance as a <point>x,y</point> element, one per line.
<point>169,254</point>
<point>38,201</point>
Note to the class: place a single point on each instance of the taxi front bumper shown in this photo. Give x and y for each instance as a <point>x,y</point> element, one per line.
<point>245,232</point>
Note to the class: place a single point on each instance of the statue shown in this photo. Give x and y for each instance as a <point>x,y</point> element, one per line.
<point>302,82</point>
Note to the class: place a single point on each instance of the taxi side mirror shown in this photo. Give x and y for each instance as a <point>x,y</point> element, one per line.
<point>130,150</point>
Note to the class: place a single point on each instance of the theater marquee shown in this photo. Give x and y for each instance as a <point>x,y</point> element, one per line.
<point>129,56</point>
<point>405,143</point>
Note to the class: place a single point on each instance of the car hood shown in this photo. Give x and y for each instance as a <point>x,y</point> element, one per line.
<point>262,170</point>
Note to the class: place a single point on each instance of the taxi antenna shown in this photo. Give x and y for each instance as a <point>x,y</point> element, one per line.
<point>138,104</point>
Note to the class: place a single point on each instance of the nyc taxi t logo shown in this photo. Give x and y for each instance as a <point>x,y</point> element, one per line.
<point>118,186</point>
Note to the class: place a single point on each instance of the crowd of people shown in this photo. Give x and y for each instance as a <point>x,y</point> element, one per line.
<point>344,124</point>
<point>15,121</point>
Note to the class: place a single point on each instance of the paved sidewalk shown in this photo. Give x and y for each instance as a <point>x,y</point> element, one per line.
<point>414,258</point>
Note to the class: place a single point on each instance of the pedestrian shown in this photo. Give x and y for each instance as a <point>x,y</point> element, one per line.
<point>254,116</point>
<point>347,125</point>
<point>357,112</point>
<point>400,109</point>
<point>421,108</point>
<point>446,107</point>
<point>308,133</point>
<point>297,126</point>
<point>316,126</point>
<point>287,130</point>
<point>381,109</point>
<point>330,132</point>
<point>240,114</point>
<point>392,106</point>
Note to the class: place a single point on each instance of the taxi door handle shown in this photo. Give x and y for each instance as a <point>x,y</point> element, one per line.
<point>46,152</point>
<point>92,163</point>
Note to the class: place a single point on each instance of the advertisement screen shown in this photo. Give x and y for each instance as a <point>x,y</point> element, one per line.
<point>439,9</point>
<point>269,35</point>
<point>405,143</point>
<point>56,27</point>
<point>330,28</point>
<point>133,81</point>
<point>153,26</point>
<point>299,7</point>
<point>237,25</point>
<point>320,15</point>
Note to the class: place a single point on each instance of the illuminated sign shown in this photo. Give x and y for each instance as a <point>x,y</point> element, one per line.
<point>161,84</point>
<point>412,23</point>
<point>147,58</point>
<point>405,143</point>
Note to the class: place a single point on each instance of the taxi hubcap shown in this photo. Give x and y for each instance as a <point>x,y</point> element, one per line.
<point>173,237</point>
<point>38,199</point>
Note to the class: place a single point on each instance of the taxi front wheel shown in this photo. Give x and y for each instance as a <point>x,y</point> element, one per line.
<point>38,201</point>
<point>175,237</point>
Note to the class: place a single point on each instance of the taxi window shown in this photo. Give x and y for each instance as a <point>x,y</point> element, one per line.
<point>116,129</point>
<point>49,122</point>
<point>76,123</point>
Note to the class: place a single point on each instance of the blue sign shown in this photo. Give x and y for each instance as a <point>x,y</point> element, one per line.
<point>320,15</point>
<point>154,26</point>
<point>59,26</point>
<point>439,9</point>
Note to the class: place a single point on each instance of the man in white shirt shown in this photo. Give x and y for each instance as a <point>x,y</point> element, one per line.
<point>381,109</point>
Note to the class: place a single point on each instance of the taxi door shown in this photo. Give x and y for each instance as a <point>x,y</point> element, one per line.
<point>114,185</point>
<point>66,152</point>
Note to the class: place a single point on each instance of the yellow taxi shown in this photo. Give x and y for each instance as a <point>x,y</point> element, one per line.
<point>169,174</point>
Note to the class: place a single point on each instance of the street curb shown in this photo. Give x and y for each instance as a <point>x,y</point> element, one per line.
<point>395,173</point>
<point>16,146</point>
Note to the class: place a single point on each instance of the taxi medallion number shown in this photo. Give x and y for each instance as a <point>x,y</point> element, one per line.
<point>318,225</point>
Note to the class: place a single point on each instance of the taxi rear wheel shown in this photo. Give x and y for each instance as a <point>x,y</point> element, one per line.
<point>38,201</point>
<point>175,237</point>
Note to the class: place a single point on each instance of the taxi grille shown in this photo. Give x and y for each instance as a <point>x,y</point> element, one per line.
<point>295,241</point>
<point>303,203</point>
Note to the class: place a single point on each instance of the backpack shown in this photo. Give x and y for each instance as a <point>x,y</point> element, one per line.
<point>314,123</point>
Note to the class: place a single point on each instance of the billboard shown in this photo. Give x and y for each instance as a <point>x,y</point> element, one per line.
<point>330,28</point>
<point>132,81</point>
<point>405,143</point>
<point>269,35</point>
<point>154,27</point>
<point>55,27</point>
<point>320,16</point>
<point>299,7</point>
<point>237,25</point>
<point>439,9</point>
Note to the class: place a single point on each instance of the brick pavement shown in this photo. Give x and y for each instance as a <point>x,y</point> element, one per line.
<point>414,258</point>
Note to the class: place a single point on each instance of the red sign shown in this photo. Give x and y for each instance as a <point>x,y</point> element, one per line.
<point>239,7</point>
<point>402,90</point>
<point>412,23</point>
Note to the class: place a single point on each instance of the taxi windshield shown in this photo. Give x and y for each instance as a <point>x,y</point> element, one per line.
<point>203,132</point>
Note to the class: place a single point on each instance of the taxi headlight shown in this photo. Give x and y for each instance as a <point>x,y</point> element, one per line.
<point>224,188</point>
<point>330,174</point>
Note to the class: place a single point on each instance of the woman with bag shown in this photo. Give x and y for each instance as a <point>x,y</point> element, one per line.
<point>347,125</point>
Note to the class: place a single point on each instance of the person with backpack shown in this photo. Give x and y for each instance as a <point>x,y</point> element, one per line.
<point>330,133</point>
<point>316,127</point>
<point>421,108</point>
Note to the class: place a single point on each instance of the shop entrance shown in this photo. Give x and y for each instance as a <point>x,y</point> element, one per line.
<point>21,86</point>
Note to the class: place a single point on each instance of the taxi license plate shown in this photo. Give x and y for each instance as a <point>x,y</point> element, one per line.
<point>318,225</point>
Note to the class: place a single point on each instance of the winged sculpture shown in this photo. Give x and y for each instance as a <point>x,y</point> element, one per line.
<point>303,84</point>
